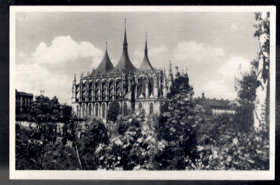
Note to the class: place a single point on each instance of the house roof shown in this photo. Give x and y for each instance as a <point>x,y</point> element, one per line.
<point>213,102</point>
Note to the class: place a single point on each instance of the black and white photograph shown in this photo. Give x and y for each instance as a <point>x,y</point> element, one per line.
<point>142,92</point>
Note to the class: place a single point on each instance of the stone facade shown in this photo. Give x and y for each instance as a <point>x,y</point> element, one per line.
<point>144,88</point>
<point>23,101</point>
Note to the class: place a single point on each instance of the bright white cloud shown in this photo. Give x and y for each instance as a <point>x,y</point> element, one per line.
<point>64,49</point>
<point>33,75</point>
<point>235,67</point>
<point>219,90</point>
<point>190,50</point>
<point>33,78</point>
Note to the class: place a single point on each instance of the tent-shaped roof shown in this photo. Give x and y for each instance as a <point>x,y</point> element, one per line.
<point>146,65</point>
<point>124,62</point>
<point>105,66</point>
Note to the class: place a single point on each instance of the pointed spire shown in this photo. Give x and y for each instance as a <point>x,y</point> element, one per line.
<point>124,61</point>
<point>125,40</point>
<point>146,47</point>
<point>170,68</point>
<point>74,77</point>
<point>106,44</point>
<point>146,65</point>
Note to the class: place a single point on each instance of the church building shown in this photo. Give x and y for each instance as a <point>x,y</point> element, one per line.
<point>134,89</point>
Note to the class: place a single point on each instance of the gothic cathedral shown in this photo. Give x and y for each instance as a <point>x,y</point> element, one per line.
<point>144,88</point>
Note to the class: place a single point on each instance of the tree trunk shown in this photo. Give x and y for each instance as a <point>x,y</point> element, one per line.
<point>262,91</point>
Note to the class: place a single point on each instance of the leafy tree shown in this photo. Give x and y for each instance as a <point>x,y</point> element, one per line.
<point>177,124</point>
<point>246,92</point>
<point>113,111</point>
<point>95,133</point>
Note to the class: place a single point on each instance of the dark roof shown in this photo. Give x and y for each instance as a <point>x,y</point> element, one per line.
<point>146,65</point>
<point>213,102</point>
<point>105,66</point>
<point>124,62</point>
<point>18,93</point>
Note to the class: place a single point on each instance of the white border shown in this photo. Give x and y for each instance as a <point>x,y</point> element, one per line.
<point>142,175</point>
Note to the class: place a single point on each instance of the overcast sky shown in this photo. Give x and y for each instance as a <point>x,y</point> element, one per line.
<point>53,46</point>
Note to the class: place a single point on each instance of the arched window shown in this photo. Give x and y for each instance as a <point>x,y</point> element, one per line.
<point>103,111</point>
<point>151,86</point>
<point>140,106</point>
<point>151,108</point>
<point>96,109</point>
<point>120,109</point>
<point>143,86</point>
<point>78,111</point>
<point>125,111</point>
<point>89,109</point>
<point>84,110</point>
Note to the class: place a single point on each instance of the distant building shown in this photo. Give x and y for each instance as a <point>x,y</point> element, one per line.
<point>218,106</point>
<point>23,101</point>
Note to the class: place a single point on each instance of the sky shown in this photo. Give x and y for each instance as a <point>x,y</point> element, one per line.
<point>212,47</point>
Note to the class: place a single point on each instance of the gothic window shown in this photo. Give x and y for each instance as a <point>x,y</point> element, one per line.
<point>89,110</point>
<point>125,111</point>
<point>96,110</point>
<point>140,106</point>
<point>78,111</point>
<point>143,85</point>
<point>151,85</point>
<point>151,108</point>
<point>103,111</point>
<point>120,109</point>
<point>84,110</point>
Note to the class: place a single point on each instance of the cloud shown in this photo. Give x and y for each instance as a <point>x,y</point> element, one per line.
<point>32,78</point>
<point>156,55</point>
<point>235,66</point>
<point>64,49</point>
<point>190,50</point>
<point>219,90</point>
<point>51,68</point>
<point>234,26</point>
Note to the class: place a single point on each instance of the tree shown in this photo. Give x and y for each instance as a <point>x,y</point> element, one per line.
<point>95,133</point>
<point>246,95</point>
<point>177,124</point>
<point>261,111</point>
<point>113,111</point>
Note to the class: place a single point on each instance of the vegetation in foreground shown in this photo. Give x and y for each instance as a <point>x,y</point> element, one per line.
<point>185,136</point>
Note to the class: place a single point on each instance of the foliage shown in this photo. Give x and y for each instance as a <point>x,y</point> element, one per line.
<point>177,125</point>
<point>28,151</point>
<point>246,151</point>
<point>134,147</point>
<point>113,111</point>
<point>246,86</point>
<point>94,133</point>
<point>50,110</point>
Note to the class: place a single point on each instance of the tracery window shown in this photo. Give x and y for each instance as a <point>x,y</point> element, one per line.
<point>151,108</point>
